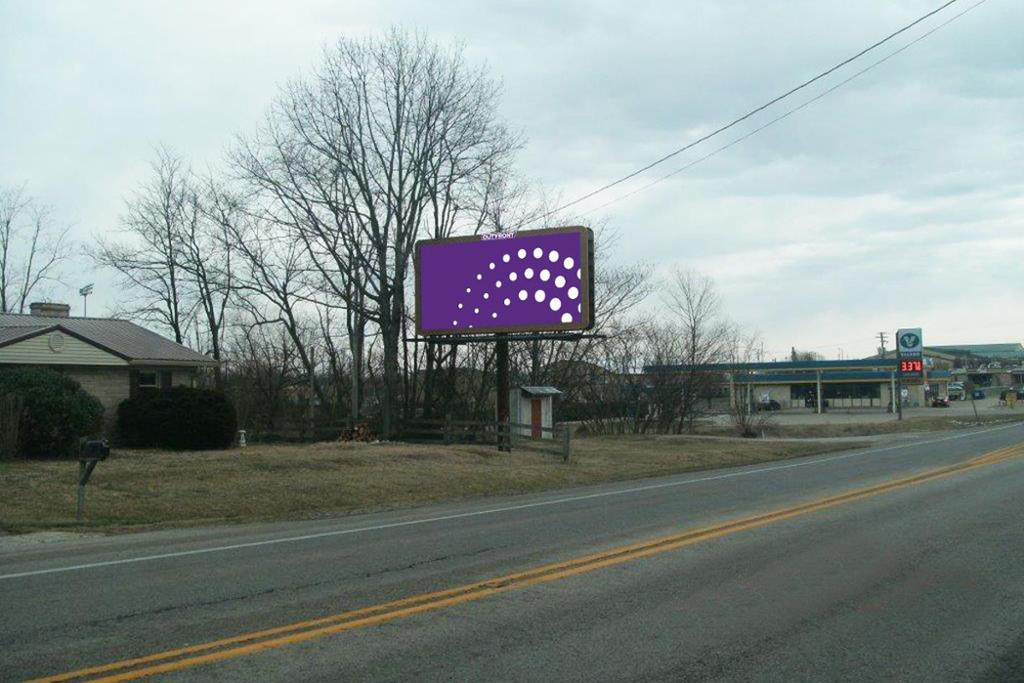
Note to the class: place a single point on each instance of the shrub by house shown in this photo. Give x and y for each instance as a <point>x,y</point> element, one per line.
<point>55,411</point>
<point>179,418</point>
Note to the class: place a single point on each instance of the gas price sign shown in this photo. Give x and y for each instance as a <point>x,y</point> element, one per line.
<point>909,367</point>
<point>910,354</point>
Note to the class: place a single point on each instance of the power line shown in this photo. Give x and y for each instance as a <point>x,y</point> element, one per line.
<point>746,116</point>
<point>786,115</point>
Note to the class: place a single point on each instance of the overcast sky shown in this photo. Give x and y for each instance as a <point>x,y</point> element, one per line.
<point>897,200</point>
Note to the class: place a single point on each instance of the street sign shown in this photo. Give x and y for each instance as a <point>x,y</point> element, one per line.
<point>527,281</point>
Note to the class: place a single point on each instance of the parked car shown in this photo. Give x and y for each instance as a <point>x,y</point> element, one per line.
<point>770,404</point>
<point>940,402</point>
<point>977,394</point>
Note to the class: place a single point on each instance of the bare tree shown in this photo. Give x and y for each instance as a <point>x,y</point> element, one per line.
<point>370,155</point>
<point>706,336</point>
<point>271,281</point>
<point>748,420</point>
<point>207,253</point>
<point>148,257</point>
<point>32,249</point>
<point>796,355</point>
<point>173,257</point>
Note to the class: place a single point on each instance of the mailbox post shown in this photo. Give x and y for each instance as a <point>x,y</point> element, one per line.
<point>91,452</point>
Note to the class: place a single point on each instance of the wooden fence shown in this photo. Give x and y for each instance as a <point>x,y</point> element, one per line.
<point>450,431</point>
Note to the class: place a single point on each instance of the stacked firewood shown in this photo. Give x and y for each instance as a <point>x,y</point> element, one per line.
<point>360,431</point>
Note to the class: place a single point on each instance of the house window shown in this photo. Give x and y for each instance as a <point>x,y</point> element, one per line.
<point>147,380</point>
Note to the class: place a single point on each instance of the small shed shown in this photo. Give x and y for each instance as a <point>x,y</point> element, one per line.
<point>532,406</point>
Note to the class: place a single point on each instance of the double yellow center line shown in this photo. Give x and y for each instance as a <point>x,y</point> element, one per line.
<point>258,641</point>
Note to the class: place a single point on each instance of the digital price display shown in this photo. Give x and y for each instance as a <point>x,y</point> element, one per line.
<point>910,367</point>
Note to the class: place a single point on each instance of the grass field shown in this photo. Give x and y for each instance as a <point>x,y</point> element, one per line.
<point>137,489</point>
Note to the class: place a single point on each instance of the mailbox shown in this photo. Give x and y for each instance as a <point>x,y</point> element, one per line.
<point>94,450</point>
<point>90,453</point>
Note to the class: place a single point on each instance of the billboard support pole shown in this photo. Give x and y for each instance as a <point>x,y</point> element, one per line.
<point>899,379</point>
<point>501,351</point>
<point>899,390</point>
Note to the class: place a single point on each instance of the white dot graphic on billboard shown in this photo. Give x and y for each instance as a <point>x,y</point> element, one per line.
<point>569,263</point>
<point>512,277</point>
<point>523,295</point>
<point>528,273</point>
<point>560,281</point>
<point>573,292</point>
<point>538,252</point>
<point>545,275</point>
<point>522,253</point>
<point>553,256</point>
<point>555,303</point>
<point>566,317</point>
<point>539,295</point>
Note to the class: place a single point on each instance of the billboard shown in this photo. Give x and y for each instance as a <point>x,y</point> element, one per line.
<point>527,281</point>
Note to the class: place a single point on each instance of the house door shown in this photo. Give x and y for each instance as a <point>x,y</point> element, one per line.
<point>535,423</point>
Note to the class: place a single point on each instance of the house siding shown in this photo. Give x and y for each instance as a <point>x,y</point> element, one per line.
<point>70,351</point>
<point>108,384</point>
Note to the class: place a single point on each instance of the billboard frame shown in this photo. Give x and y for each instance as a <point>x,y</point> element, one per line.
<point>586,277</point>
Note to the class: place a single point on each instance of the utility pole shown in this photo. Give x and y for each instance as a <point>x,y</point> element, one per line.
<point>881,341</point>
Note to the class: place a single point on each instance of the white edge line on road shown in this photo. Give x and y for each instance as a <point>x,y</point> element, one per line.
<point>492,511</point>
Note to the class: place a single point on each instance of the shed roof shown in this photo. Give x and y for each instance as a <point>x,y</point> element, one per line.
<point>540,391</point>
<point>120,337</point>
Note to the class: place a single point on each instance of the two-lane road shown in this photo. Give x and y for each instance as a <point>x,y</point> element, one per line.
<point>903,562</point>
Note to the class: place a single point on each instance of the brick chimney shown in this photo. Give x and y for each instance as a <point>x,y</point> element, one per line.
<point>49,310</point>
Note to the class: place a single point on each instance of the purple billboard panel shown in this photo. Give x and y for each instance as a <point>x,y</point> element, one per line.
<point>536,280</point>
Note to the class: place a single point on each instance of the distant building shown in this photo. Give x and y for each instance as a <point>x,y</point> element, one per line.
<point>867,383</point>
<point>112,359</point>
<point>1012,353</point>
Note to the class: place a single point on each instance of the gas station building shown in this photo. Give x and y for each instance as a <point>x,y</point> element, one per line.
<point>867,383</point>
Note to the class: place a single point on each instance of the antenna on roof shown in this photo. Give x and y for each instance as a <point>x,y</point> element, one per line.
<point>85,292</point>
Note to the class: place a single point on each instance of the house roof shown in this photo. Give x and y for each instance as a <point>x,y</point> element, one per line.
<point>119,337</point>
<point>829,377</point>
<point>1014,351</point>
<point>780,366</point>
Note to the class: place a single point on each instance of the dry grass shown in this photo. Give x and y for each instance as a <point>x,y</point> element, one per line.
<point>136,489</point>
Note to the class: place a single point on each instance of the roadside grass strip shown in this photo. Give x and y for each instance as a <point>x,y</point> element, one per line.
<point>267,639</point>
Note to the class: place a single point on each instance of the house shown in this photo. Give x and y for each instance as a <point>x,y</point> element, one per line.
<point>112,359</point>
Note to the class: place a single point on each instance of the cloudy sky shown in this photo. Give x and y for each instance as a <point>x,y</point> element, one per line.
<point>897,200</point>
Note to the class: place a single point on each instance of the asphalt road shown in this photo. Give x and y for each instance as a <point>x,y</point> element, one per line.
<point>924,581</point>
